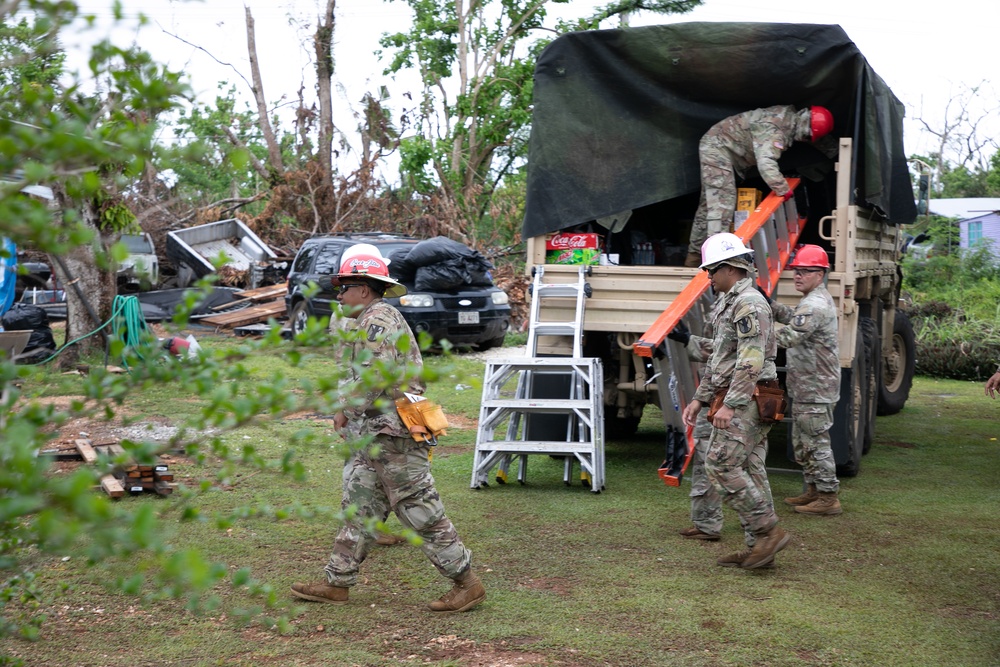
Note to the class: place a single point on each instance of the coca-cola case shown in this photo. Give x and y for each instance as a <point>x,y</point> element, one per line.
<point>571,248</point>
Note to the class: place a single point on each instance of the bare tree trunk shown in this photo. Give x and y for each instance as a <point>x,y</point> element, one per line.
<point>90,292</point>
<point>323,41</point>
<point>273,150</point>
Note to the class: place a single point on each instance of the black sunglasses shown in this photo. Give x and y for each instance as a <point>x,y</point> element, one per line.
<point>712,270</point>
<point>344,288</point>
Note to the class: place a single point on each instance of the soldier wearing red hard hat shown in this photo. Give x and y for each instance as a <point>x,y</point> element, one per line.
<point>398,477</point>
<point>732,146</point>
<point>813,379</point>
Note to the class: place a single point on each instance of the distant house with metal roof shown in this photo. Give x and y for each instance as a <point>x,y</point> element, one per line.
<point>978,219</point>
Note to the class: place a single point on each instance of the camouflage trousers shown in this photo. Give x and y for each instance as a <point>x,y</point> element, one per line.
<point>398,479</point>
<point>718,194</point>
<point>811,423</point>
<point>706,503</point>
<point>735,465</point>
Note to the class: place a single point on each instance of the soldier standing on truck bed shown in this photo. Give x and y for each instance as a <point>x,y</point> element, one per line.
<point>742,359</point>
<point>813,379</point>
<point>735,144</point>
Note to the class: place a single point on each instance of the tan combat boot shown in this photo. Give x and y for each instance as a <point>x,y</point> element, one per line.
<point>693,260</point>
<point>693,533</point>
<point>467,593</point>
<point>806,498</point>
<point>736,560</point>
<point>768,544</point>
<point>321,593</point>
<point>826,504</point>
<point>386,540</point>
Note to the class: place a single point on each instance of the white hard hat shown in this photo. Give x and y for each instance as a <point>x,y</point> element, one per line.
<point>719,248</point>
<point>364,249</point>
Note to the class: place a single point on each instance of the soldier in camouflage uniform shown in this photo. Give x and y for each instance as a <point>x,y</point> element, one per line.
<point>735,144</point>
<point>813,379</point>
<point>743,353</point>
<point>706,503</point>
<point>398,477</point>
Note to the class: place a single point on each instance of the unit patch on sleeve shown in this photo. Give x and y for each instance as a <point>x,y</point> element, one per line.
<point>747,326</point>
<point>374,331</point>
<point>799,321</point>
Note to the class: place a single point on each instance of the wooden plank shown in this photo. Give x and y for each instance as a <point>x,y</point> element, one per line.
<point>164,488</point>
<point>88,453</point>
<point>245,316</point>
<point>112,486</point>
<point>265,293</point>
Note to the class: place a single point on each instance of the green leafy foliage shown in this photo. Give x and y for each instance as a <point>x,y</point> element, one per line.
<point>956,314</point>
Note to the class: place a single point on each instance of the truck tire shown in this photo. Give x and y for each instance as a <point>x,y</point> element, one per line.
<point>897,367</point>
<point>850,415</point>
<point>873,359</point>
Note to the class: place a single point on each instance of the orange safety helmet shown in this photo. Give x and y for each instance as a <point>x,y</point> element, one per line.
<point>810,256</point>
<point>820,122</point>
<point>368,264</point>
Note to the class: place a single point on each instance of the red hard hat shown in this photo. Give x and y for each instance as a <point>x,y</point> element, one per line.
<point>810,256</point>
<point>821,122</point>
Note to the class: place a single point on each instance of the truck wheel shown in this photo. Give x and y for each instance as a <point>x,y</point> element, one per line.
<point>898,367</point>
<point>298,318</point>
<point>852,419</point>
<point>873,359</point>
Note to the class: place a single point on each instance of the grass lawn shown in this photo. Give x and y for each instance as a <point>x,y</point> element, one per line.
<point>908,575</point>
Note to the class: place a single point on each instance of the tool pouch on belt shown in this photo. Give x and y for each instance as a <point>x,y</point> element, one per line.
<point>771,402</point>
<point>716,403</point>
<point>424,419</point>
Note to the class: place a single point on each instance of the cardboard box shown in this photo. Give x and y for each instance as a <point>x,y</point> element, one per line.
<point>570,248</point>
<point>747,199</point>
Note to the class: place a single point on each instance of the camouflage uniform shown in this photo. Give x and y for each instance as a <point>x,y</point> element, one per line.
<point>398,478</point>
<point>732,146</point>
<point>706,503</point>
<point>743,353</point>
<point>813,382</point>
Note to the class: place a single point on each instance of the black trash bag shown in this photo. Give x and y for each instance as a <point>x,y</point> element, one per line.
<point>437,249</point>
<point>400,266</point>
<point>479,269</point>
<point>442,276</point>
<point>23,317</point>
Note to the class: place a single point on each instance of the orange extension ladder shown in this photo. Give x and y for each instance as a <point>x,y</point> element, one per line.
<point>772,231</point>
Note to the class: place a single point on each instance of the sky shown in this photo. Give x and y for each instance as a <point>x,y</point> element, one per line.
<point>927,51</point>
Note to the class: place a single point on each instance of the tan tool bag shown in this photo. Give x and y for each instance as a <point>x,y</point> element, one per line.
<point>771,402</point>
<point>424,419</point>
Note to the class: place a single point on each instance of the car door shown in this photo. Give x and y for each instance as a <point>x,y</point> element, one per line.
<point>327,263</point>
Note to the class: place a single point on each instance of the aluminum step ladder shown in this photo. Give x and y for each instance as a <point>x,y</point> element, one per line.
<point>771,231</point>
<point>561,395</point>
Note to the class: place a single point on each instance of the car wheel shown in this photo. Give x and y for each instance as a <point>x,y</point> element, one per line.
<point>298,318</point>
<point>490,344</point>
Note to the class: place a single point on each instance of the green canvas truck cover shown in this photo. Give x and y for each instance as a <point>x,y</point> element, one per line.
<point>618,113</point>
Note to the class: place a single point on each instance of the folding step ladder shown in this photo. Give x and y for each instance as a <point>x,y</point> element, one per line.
<point>533,393</point>
<point>771,231</point>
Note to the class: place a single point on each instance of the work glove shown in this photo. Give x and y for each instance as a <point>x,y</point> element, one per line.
<point>788,195</point>
<point>681,334</point>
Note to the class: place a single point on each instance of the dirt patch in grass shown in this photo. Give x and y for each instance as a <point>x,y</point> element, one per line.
<point>470,654</point>
<point>896,443</point>
<point>556,585</point>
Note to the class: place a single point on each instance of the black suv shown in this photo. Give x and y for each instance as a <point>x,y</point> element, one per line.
<point>467,315</point>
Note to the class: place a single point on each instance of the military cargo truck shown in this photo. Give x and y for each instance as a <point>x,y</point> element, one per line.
<point>614,153</point>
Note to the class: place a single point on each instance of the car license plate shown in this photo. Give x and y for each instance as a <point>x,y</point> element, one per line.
<point>468,317</point>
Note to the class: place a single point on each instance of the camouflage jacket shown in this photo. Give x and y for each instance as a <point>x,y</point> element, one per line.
<point>382,349</point>
<point>759,137</point>
<point>743,349</point>
<point>813,360</point>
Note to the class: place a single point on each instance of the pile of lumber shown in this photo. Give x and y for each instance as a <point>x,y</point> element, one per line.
<point>252,306</point>
<point>130,477</point>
